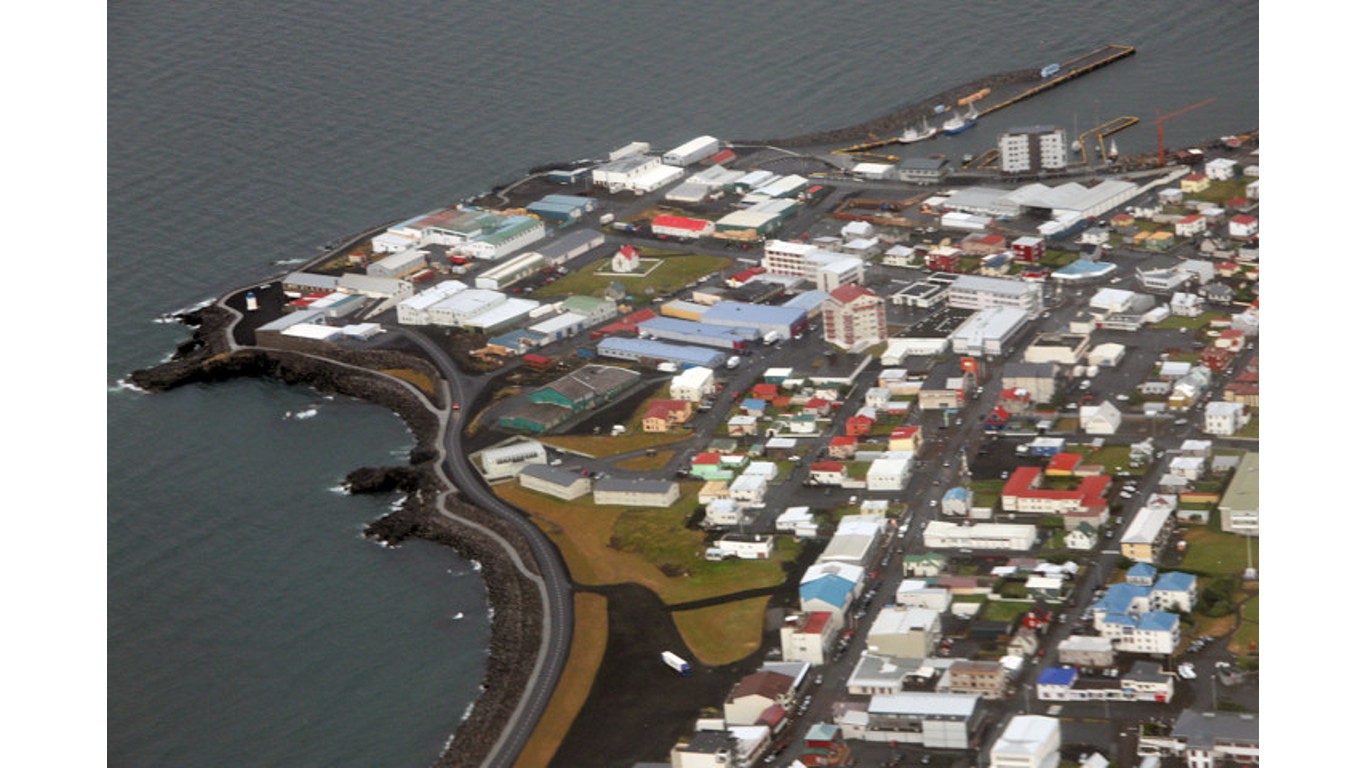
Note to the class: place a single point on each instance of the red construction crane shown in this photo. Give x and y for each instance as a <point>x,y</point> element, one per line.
<point>1161,150</point>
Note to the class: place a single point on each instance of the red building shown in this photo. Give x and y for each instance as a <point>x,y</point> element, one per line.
<point>1028,249</point>
<point>858,425</point>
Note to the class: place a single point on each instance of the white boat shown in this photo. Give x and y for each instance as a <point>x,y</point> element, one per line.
<point>912,135</point>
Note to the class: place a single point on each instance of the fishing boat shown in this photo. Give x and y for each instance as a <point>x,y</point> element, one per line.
<point>959,123</point>
<point>912,135</point>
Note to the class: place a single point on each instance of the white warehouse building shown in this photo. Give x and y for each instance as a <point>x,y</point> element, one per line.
<point>988,331</point>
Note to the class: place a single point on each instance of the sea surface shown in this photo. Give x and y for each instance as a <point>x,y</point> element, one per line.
<point>249,623</point>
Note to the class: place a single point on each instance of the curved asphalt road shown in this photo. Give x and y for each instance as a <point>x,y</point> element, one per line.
<point>553,583</point>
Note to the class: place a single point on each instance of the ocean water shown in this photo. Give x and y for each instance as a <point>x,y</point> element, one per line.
<point>248,621</point>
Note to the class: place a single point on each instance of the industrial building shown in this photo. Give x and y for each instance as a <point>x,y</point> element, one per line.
<point>1240,508</point>
<point>510,458</point>
<point>1033,149</point>
<point>399,264</point>
<point>514,269</point>
<point>570,246</point>
<point>704,334</point>
<point>625,172</point>
<point>989,331</point>
<point>1029,741</point>
<point>692,151</point>
<point>414,309</point>
<point>652,352</point>
<point>784,321</point>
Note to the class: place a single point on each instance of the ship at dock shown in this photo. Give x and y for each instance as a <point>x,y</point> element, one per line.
<point>959,123</point>
<point>911,135</point>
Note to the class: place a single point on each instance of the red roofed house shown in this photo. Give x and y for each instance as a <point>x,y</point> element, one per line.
<point>855,318</point>
<point>842,447</point>
<point>818,406</point>
<point>1226,268</point>
<point>1062,464</point>
<point>681,227</point>
<point>905,439</point>
<point>764,391</point>
<point>828,473</point>
<point>983,244</point>
<point>660,415</point>
<point>755,693</point>
<point>1239,204</point>
<point>1124,223</point>
<point>1195,182</point>
<point>1242,227</point>
<point>1190,226</point>
<point>858,425</point>
<point>626,259</point>
<point>1232,340</point>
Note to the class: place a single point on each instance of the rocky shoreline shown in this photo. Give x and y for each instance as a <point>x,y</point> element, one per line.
<point>515,633</point>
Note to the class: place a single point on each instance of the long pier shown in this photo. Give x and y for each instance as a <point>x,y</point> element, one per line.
<point>1067,71</point>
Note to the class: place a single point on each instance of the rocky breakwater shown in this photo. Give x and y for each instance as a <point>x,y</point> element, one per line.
<point>516,610</point>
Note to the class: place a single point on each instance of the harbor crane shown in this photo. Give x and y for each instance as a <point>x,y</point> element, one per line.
<point>1161,150</point>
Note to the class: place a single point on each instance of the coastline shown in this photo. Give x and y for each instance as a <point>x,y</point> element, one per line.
<point>516,614</point>
<point>515,609</point>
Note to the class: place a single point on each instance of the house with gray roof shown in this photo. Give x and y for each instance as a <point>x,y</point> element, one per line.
<point>1203,739</point>
<point>635,493</point>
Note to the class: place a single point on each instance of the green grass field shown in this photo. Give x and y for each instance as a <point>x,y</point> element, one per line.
<point>673,272</point>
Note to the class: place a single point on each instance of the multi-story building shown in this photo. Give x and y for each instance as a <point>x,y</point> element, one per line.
<point>855,318</point>
<point>809,637</point>
<point>1033,149</point>
<point>1240,508</point>
<point>635,493</point>
<point>984,678</point>
<point>976,292</point>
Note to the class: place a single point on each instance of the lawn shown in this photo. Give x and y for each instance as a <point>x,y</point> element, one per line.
<point>615,545</point>
<point>997,610</point>
<point>1199,321</point>
<point>1251,429</point>
<point>674,272</point>
<point>1245,639</point>
<point>725,633</point>
<point>1110,456</point>
<point>585,655</point>
<point>1222,191</point>
<point>601,446</point>
<point>1210,551</point>
<point>1057,259</point>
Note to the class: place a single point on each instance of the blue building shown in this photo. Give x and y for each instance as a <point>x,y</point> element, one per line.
<point>785,321</point>
<point>650,352</point>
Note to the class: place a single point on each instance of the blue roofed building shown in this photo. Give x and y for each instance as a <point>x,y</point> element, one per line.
<point>1155,632</point>
<point>651,352</point>
<point>957,501</point>
<point>1141,575</point>
<point>704,334</point>
<point>753,406</point>
<point>830,593</point>
<point>785,321</point>
<point>1055,683</point>
<point>1173,591</point>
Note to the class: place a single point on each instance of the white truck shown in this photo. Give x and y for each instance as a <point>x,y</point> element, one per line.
<point>771,337</point>
<point>733,362</point>
<point>676,663</point>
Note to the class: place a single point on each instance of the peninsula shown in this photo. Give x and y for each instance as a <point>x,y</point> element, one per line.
<point>792,449</point>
